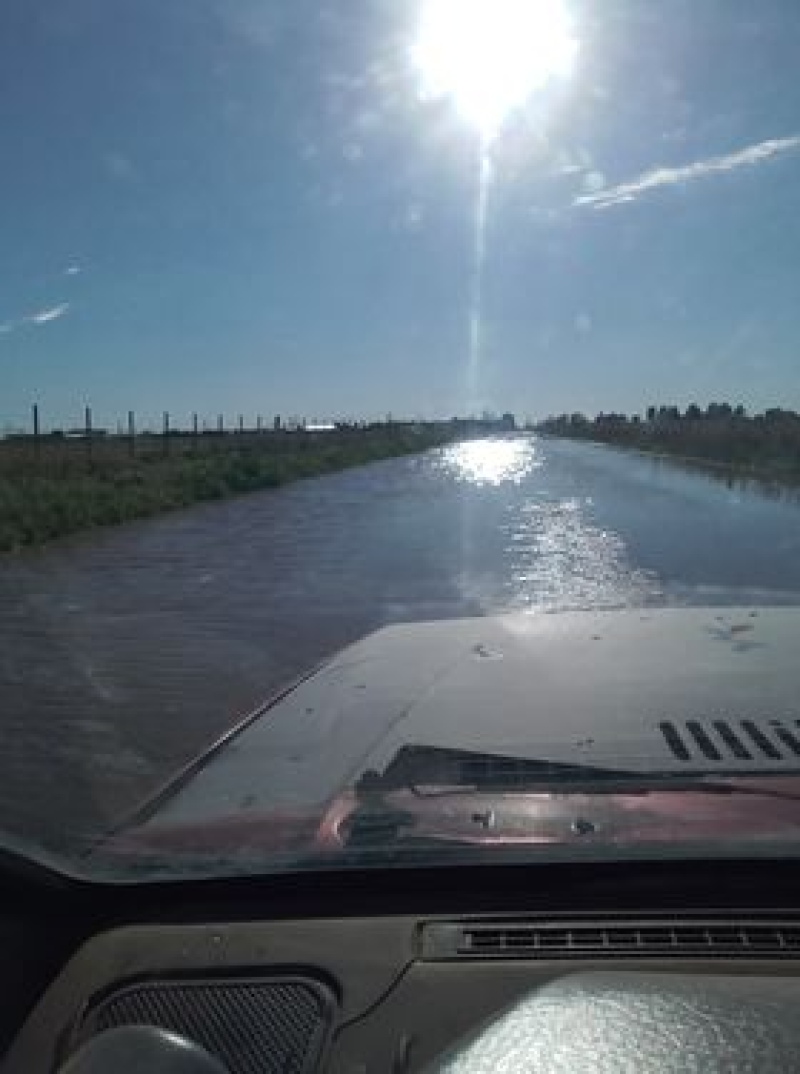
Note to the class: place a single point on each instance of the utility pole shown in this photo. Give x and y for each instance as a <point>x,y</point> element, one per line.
<point>88,431</point>
<point>36,429</point>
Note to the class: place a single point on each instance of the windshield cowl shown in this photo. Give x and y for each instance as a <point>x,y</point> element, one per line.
<point>734,812</point>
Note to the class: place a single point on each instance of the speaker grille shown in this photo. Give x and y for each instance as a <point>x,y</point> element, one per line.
<point>275,1026</point>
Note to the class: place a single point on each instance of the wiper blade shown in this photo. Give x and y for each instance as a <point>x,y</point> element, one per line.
<point>429,771</point>
<point>415,766</point>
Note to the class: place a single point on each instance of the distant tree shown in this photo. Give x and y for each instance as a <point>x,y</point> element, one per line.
<point>767,443</point>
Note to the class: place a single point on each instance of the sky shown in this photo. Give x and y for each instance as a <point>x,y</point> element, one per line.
<point>256,207</point>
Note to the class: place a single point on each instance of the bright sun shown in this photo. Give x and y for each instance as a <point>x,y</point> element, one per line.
<point>489,56</point>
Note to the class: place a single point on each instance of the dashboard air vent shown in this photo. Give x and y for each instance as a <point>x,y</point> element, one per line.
<point>446,940</point>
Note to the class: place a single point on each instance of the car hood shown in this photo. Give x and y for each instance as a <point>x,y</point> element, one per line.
<point>618,723</point>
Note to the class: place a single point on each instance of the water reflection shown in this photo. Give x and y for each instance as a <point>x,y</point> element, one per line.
<point>533,545</point>
<point>491,462</point>
<point>558,558</point>
<point>736,480</point>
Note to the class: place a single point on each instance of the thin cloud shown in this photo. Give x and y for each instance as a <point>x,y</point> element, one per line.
<point>120,167</point>
<point>45,316</point>
<point>701,169</point>
<point>52,314</point>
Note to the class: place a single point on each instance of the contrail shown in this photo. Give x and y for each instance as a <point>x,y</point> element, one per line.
<point>700,169</point>
<point>51,314</point>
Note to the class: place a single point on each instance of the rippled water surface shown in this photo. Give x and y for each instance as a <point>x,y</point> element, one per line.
<point>125,652</point>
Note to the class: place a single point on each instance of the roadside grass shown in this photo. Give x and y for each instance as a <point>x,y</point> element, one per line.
<point>42,503</point>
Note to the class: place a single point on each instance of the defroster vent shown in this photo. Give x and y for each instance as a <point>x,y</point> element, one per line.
<point>521,939</point>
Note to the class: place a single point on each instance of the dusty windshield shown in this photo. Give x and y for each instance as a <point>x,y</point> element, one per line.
<point>463,332</point>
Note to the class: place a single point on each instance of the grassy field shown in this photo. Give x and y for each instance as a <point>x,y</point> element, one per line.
<point>57,487</point>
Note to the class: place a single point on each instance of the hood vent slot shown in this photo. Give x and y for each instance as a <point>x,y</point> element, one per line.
<point>737,741</point>
<point>734,744</point>
<point>645,939</point>
<point>787,737</point>
<point>705,744</point>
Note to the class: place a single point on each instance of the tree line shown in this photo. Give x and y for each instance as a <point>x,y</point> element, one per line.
<point>720,433</point>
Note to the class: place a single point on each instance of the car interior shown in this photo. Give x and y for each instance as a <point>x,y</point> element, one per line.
<point>551,966</point>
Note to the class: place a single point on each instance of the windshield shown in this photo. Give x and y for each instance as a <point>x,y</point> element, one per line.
<point>397,378</point>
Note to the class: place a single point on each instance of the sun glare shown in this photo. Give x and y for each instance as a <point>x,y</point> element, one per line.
<point>491,462</point>
<point>489,56</point>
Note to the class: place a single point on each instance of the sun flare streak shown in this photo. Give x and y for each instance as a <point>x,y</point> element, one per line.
<point>476,289</point>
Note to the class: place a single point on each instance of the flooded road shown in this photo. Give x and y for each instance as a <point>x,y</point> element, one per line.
<point>125,652</point>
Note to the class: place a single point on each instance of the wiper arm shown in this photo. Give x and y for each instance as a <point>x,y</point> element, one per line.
<point>433,766</point>
<point>430,772</point>
<point>629,784</point>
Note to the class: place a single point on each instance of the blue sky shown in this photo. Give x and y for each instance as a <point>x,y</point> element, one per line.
<point>245,206</point>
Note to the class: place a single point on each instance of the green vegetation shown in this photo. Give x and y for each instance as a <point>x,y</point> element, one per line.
<point>721,437</point>
<point>58,486</point>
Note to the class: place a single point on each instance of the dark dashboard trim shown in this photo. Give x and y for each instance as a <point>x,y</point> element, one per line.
<point>592,886</point>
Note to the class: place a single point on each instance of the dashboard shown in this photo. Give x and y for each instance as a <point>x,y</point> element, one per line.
<point>499,969</point>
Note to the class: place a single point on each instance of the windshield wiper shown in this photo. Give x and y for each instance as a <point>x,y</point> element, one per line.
<point>431,771</point>
<point>436,766</point>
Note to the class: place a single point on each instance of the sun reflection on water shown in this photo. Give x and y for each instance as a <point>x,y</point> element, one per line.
<point>491,462</point>
<point>558,558</point>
